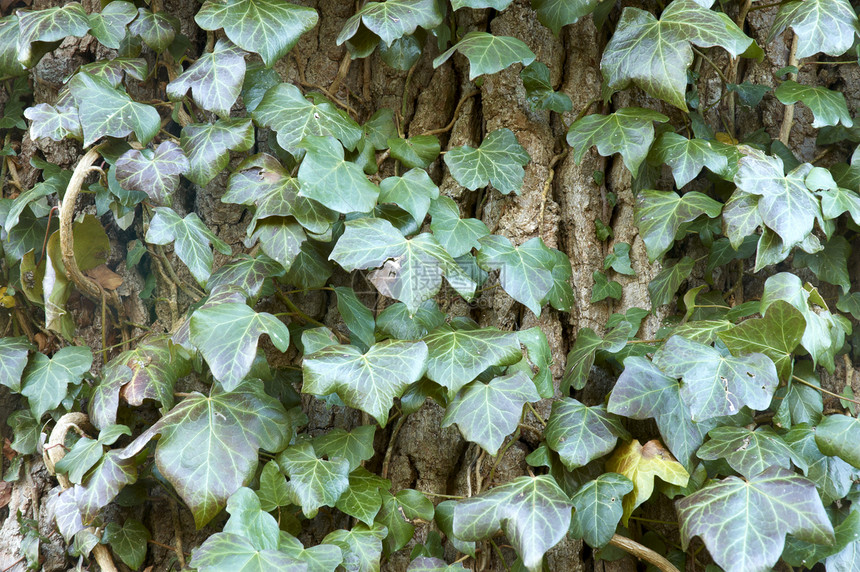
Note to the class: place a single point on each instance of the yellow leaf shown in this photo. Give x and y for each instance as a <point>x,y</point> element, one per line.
<point>6,301</point>
<point>725,138</point>
<point>641,464</point>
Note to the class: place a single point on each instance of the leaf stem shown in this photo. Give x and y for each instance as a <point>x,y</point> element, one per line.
<point>711,63</point>
<point>822,390</point>
<point>788,117</point>
<point>514,438</point>
<point>450,125</point>
<point>642,553</point>
<point>535,413</point>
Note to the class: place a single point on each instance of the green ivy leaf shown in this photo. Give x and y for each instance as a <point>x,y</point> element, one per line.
<point>836,201</point>
<point>749,452</point>
<point>107,111</point>
<point>332,181</point>
<point>430,564</point>
<point>663,286</point>
<point>393,19</point>
<point>368,381</point>
<point>227,336</point>
<point>128,541</point>
<point>830,264</point>
<point>744,523</point>
<point>117,69</point>
<point>156,29</point>
<point>628,131</point>
<point>416,152</point>
<point>280,238</point>
<point>245,273</point>
<point>39,31</point>
<point>87,452</point>
<point>13,359</point>
<point>488,54</point>
<point>155,173</point>
<point>9,64</point>
<point>248,519</point>
<point>479,4</point>
<point>396,322</point>
<point>208,146</point>
<point>827,26</point>
<point>661,214</point>
<point>314,482</point>
<point>268,27</point>
<point>27,431</point>
<point>294,117</point>
<point>832,476</point>
<point>555,14</point>
<point>215,79</point>
<point>355,446</point>
<point>741,217</point>
<point>487,413</point>
<point>398,514</point>
<point>361,546</point>
<point>456,357</point>
<point>828,107</point>
<point>319,558</point>
<point>655,54</point>
<point>838,436</point>
<point>598,508</point>
<point>716,385</point>
<point>533,512</point>
<point>362,499</point>
<point>191,238</point>
<point>687,157</point>
<point>46,379</point>
<point>55,123</point>
<point>358,318</point>
<point>198,452</point>
<point>109,27</point>
<point>413,192</point>
<point>273,491</point>
<point>581,356</point>
<point>526,270</point>
<point>580,434</point>
<point>226,551</point>
<point>456,235</point>
<point>499,160</point>
<point>537,362</point>
<point>539,89</point>
<point>604,288</point>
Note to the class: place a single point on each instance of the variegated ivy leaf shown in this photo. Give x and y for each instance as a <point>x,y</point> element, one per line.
<point>750,452</point>
<point>598,508</point>
<point>108,111</point>
<point>411,269</point>
<point>555,14</point>
<point>533,512</point>
<point>412,192</point>
<point>332,181</point>
<point>661,214</point>
<point>209,445</point>
<point>580,434</point>
<point>9,64</point>
<point>714,384</point>
<point>687,157</point>
<point>486,413</point>
<point>13,359</point>
<point>39,31</point>
<point>743,523</point>
<point>220,295</point>
<point>368,381</point>
<point>215,79</point>
<point>227,335</point>
<point>456,235</point>
<point>314,482</point>
<point>228,551</point>
<point>361,546</point>
<point>393,19</point>
<point>116,69</point>
<point>581,356</point>
<point>156,29</point>
<point>245,273</point>
<point>785,204</point>
<point>191,238</point>
<point>488,54</point>
<point>827,26</point>
<point>149,371</point>
<point>655,54</point>
<point>109,26</point>
<point>55,123</point>
<point>268,27</point>
<point>155,173</point>
<point>828,107</point>
<point>740,217</point>
<point>628,131</point>
<point>499,160</point>
<point>46,379</point>
<point>208,146</point>
<point>262,181</point>
<point>291,115</point>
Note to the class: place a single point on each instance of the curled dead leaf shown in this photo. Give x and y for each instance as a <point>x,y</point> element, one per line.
<point>107,278</point>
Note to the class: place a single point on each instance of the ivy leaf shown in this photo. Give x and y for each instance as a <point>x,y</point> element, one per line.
<point>749,452</point>
<point>416,152</point>
<point>226,551</point>
<point>191,238</point>
<point>664,285</point>
<point>655,54</point>
<point>393,19</point>
<point>13,359</point>
<point>740,217</point>
<point>480,4</point>
<point>361,546</point>
<point>488,54</point>
<point>526,270</point>
<point>838,436</point>
<point>828,107</point>
<point>836,201</point>
<point>412,192</point>
<point>87,452</point>
<point>619,259</point>
<point>286,110</point>
<point>39,31</point>
<point>398,514</point>
<point>487,413</point>
<point>456,357</point>
<point>45,380</point>
<point>273,491</point>
<point>248,519</point>
<point>280,238</point>
<point>581,356</point>
<point>358,318</point>
<point>55,123</point>
<point>628,131</point>
<point>245,273</point>
<point>430,564</point>
<point>661,214</point>
<point>227,336</point>
<point>395,321</point>
<point>499,160</point>
<point>9,64</point>
<point>117,69</point>
<point>155,173</point>
<point>319,558</point>
<point>207,146</point>
<point>102,484</point>
<point>368,381</point>
<point>268,27</point>
<point>539,90</point>
<point>355,446</point>
<point>785,205</point>
<point>775,335</point>
<point>598,508</point>
<point>827,26</point>
<point>362,499</point>
<point>641,464</point>
<point>215,79</point>
<point>107,111</point>
<point>109,27</point>
<point>744,523</point>
<point>604,288</point>
<point>156,29</point>
<point>332,181</point>
<point>830,264</point>
<point>687,157</point>
<point>832,476</point>
<point>208,445</point>
<point>456,235</point>
<point>314,482</point>
<point>555,14</point>
<point>258,80</point>
<point>128,541</point>
<point>716,385</point>
<point>581,434</point>
<point>533,512</point>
